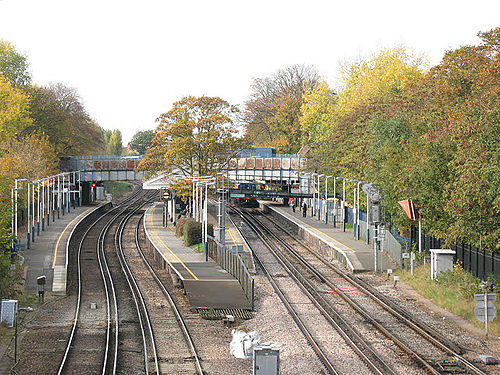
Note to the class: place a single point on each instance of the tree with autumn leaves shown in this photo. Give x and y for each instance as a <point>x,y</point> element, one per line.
<point>37,126</point>
<point>429,134</point>
<point>196,137</point>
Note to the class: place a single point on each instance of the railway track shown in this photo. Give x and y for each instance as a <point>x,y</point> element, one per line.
<point>429,351</point>
<point>327,336</point>
<point>98,341</point>
<point>170,325</point>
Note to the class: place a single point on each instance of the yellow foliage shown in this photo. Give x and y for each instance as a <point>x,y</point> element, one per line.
<point>385,73</point>
<point>32,157</point>
<point>316,113</point>
<point>14,110</point>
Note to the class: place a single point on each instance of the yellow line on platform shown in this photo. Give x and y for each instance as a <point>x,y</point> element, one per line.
<point>164,244</point>
<point>62,233</point>
<point>232,237</point>
<point>316,229</point>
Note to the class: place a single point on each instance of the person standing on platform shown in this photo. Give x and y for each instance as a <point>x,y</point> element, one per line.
<point>304,209</point>
<point>292,203</point>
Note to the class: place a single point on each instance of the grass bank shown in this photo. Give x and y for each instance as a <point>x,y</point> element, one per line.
<point>118,188</point>
<point>453,291</point>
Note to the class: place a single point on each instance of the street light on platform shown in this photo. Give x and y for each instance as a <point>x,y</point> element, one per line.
<point>13,197</point>
<point>326,198</point>
<point>318,202</point>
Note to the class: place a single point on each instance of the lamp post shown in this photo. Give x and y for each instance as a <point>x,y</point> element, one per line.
<point>16,189</point>
<point>319,203</point>
<point>28,226</point>
<point>326,198</point>
<point>13,198</point>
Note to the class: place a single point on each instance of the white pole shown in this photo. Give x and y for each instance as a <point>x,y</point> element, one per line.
<point>486,313</point>
<point>419,233</point>
<point>334,200</point>
<point>43,203</point>
<point>193,208</point>
<point>342,206</point>
<point>53,196</point>
<point>28,219</point>
<point>12,216</point>
<point>58,195</point>
<point>326,199</point>
<point>38,204</point>
<point>79,188</point>
<point>206,212</point>
<point>358,216</point>
<point>62,195</point>
<point>15,215</point>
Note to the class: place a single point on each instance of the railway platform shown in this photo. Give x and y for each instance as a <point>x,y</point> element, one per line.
<point>207,285</point>
<point>356,255</point>
<point>47,254</point>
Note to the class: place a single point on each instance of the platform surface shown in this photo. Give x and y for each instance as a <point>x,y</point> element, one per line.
<point>49,249</point>
<point>207,285</point>
<point>359,253</point>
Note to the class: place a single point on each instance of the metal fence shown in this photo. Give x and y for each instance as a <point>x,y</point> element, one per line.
<point>233,264</point>
<point>479,262</point>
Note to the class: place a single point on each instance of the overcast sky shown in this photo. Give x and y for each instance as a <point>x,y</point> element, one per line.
<point>130,60</point>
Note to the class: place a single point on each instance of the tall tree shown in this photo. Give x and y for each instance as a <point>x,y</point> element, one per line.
<point>197,136</point>
<point>13,65</point>
<point>58,112</point>
<point>14,111</point>
<point>272,113</point>
<point>115,143</point>
<point>141,141</point>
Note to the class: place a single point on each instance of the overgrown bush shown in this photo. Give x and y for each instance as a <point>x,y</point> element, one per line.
<point>191,232</point>
<point>179,228</point>
<point>464,282</point>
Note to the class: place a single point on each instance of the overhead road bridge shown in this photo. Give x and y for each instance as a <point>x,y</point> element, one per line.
<point>104,167</point>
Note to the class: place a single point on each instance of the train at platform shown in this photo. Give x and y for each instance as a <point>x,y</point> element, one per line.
<point>244,201</point>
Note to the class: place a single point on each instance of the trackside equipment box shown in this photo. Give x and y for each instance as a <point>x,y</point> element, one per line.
<point>266,360</point>
<point>9,312</point>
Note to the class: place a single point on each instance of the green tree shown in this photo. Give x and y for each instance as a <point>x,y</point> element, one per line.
<point>115,143</point>
<point>197,136</point>
<point>13,65</point>
<point>141,141</point>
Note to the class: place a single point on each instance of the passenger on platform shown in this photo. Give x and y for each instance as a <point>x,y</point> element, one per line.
<point>292,203</point>
<point>304,209</point>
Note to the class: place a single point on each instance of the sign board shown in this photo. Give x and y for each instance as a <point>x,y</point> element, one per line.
<point>480,313</point>
<point>237,195</point>
<point>491,297</point>
<point>396,278</point>
<point>405,255</point>
<point>389,271</point>
<point>480,309</point>
<point>40,280</point>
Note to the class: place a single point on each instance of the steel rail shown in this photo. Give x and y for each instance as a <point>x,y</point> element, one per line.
<point>309,337</point>
<point>178,315</point>
<point>428,334</point>
<point>137,295</point>
<point>79,287</point>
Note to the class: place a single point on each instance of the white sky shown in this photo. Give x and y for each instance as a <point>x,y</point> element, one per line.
<point>130,61</point>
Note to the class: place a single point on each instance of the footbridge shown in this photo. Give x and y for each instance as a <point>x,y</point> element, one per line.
<point>94,168</point>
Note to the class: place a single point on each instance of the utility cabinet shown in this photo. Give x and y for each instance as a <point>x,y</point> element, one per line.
<point>441,261</point>
<point>9,312</point>
<point>266,360</point>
